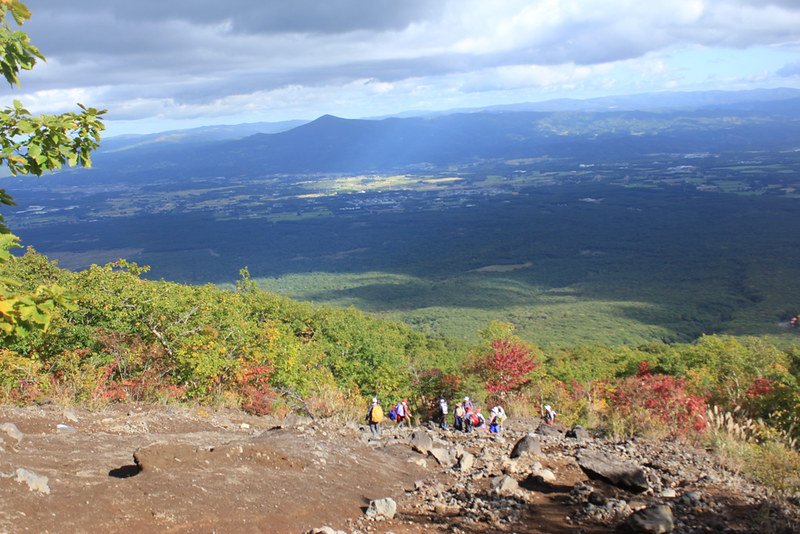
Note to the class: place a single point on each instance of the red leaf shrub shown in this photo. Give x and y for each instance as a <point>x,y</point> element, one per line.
<point>660,400</point>
<point>256,393</point>
<point>505,367</point>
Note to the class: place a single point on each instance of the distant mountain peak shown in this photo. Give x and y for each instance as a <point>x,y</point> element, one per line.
<point>327,118</point>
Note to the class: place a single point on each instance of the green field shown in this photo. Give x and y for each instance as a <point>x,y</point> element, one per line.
<point>662,248</point>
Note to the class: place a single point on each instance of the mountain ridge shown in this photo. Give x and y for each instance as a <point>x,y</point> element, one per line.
<point>331,144</point>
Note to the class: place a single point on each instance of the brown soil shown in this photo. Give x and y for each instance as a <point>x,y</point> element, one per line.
<point>167,469</point>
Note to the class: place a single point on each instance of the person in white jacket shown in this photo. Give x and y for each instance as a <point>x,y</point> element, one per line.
<point>549,414</point>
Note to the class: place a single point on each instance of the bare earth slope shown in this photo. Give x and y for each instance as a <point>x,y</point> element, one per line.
<point>167,469</point>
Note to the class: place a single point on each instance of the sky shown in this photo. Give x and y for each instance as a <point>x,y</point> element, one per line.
<point>173,64</point>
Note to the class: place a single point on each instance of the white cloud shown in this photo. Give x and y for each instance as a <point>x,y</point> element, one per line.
<point>181,58</point>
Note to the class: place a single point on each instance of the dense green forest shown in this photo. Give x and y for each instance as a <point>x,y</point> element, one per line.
<point>567,264</point>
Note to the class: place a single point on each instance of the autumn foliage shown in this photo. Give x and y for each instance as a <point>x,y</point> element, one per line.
<point>659,401</point>
<point>505,367</point>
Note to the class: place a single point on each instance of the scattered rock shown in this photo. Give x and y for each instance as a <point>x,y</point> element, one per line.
<point>12,431</point>
<point>597,498</point>
<point>65,429</point>
<point>529,444</point>
<point>545,475</point>
<point>197,458</point>
<point>505,484</point>
<point>422,462</point>
<point>580,492</point>
<point>325,530</point>
<point>421,442</point>
<point>651,520</point>
<point>578,432</point>
<point>292,420</point>
<point>554,431</point>
<point>70,415</point>
<point>466,461</point>
<point>620,473</point>
<point>442,456</point>
<point>692,498</point>
<point>35,482</point>
<point>382,509</point>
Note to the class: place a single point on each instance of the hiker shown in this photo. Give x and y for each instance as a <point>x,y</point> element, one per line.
<point>467,404</point>
<point>458,417</point>
<point>496,417</point>
<point>467,419</point>
<point>403,413</point>
<point>375,417</point>
<point>442,412</point>
<point>549,414</point>
<point>478,420</point>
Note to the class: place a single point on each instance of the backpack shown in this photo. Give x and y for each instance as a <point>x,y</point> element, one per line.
<point>475,419</point>
<point>392,414</point>
<point>400,410</point>
<point>377,413</point>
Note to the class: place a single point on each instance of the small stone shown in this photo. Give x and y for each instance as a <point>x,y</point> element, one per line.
<point>651,520</point>
<point>70,415</point>
<point>505,484</point>
<point>466,462</point>
<point>384,508</point>
<point>442,456</point>
<point>35,482</point>
<point>692,498</point>
<point>598,499</point>
<point>325,530</point>
<point>578,432</point>
<point>12,431</point>
<point>421,442</point>
<point>545,474</point>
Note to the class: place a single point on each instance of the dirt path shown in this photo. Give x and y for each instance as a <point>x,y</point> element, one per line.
<point>200,472</point>
<point>167,469</point>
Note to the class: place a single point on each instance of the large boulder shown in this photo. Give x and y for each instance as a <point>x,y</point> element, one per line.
<point>555,431</point>
<point>618,472</point>
<point>529,444</point>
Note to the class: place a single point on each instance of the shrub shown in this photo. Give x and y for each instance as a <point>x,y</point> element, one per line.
<point>658,403</point>
<point>505,367</point>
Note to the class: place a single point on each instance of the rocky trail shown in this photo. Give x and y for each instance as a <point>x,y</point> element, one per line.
<point>168,469</point>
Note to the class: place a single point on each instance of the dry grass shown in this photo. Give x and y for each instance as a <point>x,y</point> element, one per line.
<point>747,446</point>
